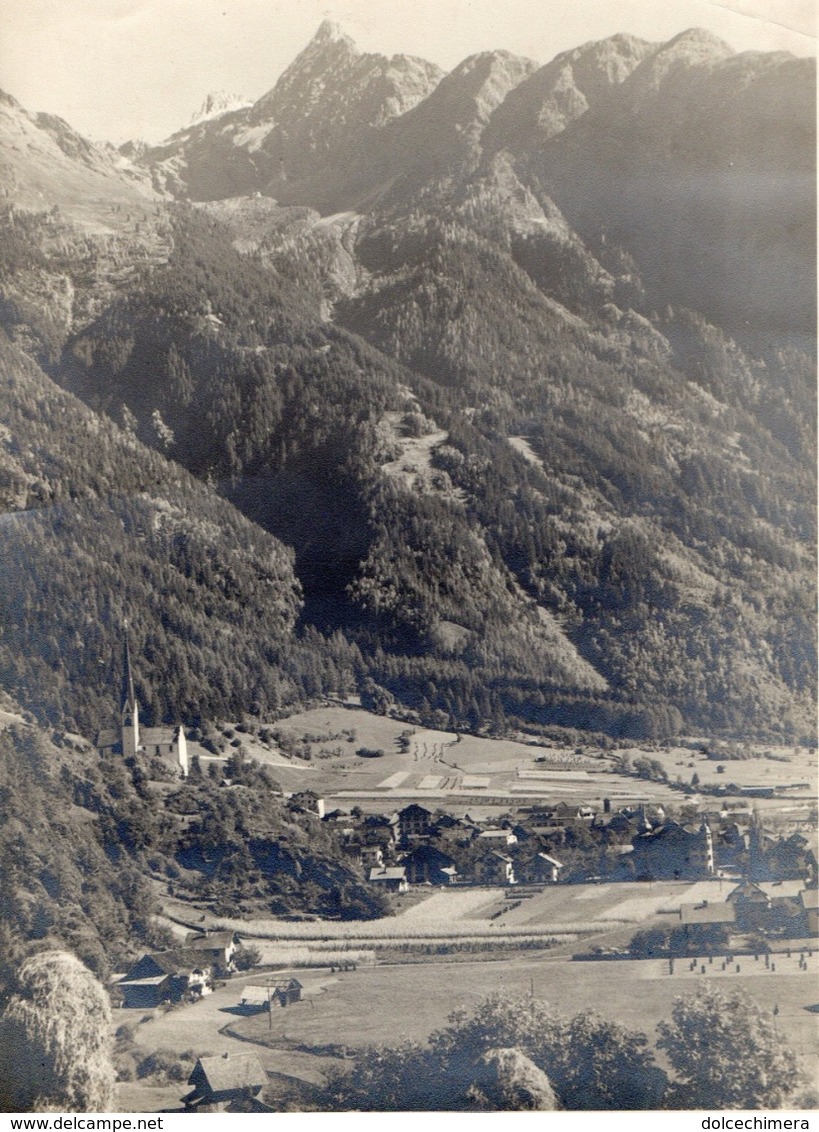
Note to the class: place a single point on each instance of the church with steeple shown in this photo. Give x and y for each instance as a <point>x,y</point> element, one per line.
<point>132,740</point>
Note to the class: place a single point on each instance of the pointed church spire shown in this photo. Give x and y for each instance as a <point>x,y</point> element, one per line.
<point>130,707</point>
<point>128,697</point>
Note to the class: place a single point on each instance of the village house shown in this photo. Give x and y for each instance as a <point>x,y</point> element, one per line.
<point>774,908</point>
<point>380,829</point>
<point>498,837</point>
<point>392,879</point>
<point>131,739</point>
<point>541,869</point>
<point>371,855</point>
<point>752,906</point>
<point>428,865</point>
<point>414,822</point>
<point>454,831</point>
<point>218,948</point>
<point>673,851</point>
<point>494,868</point>
<point>230,1083</point>
<point>306,802</point>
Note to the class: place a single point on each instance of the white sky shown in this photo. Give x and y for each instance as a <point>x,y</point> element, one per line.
<point>117,69</point>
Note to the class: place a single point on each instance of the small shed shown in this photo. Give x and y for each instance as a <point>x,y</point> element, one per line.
<point>288,994</point>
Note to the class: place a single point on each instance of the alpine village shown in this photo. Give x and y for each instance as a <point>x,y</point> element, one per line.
<point>407,591</point>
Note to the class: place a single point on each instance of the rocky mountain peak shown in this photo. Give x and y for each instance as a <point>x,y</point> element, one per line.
<point>690,50</point>
<point>556,94</point>
<point>331,32</point>
<point>476,87</point>
<point>217,103</point>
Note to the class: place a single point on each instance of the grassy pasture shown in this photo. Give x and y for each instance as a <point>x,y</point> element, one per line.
<point>388,1004</point>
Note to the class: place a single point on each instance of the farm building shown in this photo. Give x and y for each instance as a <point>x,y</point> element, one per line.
<point>165,976</point>
<point>254,998</point>
<point>707,913</point>
<point>229,1083</point>
<point>288,994</point>
<point>809,899</point>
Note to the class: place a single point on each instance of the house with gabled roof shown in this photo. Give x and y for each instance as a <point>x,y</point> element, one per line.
<point>229,1083</point>
<point>674,851</point>
<point>165,976</point>
<point>217,947</point>
<point>254,998</point>
<point>541,869</point>
<point>414,821</point>
<point>427,865</point>
<point>494,868</point>
<point>393,878</point>
<point>287,994</point>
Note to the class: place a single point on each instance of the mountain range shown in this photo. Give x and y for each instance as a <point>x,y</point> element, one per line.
<point>489,395</point>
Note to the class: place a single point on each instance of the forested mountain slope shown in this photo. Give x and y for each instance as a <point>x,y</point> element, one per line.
<point>492,364</point>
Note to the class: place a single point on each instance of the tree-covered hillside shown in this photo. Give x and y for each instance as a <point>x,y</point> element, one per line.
<point>479,445</point>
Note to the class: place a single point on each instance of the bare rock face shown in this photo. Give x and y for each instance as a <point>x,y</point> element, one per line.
<point>311,127</point>
<point>508,1081</point>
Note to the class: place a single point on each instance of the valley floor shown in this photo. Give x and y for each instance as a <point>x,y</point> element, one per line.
<point>390,1002</point>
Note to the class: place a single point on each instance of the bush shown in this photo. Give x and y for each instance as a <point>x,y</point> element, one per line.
<point>244,958</point>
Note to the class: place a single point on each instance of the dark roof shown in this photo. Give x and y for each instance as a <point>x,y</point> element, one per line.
<point>229,1073</point>
<point>155,736</point>
<point>175,961</point>
<point>748,891</point>
<point>428,854</point>
<point>414,808</point>
<point>213,941</point>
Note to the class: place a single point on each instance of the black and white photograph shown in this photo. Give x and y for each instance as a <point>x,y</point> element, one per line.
<point>408,577</point>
